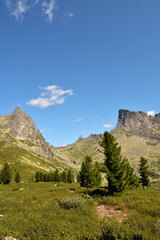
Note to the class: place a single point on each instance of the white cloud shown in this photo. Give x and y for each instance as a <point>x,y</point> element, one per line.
<point>51,95</point>
<point>48,8</point>
<point>84,131</point>
<point>70,15</point>
<point>151,113</point>
<point>45,129</point>
<point>107,125</point>
<point>78,120</point>
<point>36,2</point>
<point>17,9</point>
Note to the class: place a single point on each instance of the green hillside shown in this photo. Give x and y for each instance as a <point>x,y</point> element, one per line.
<point>74,154</point>
<point>27,162</point>
<point>133,147</point>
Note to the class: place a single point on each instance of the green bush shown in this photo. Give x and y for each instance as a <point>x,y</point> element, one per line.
<point>73,202</point>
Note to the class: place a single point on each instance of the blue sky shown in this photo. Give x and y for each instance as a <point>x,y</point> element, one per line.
<point>72,64</point>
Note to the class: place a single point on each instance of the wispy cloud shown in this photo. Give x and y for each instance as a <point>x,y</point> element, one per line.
<point>48,8</point>
<point>45,129</point>
<point>84,131</point>
<point>71,15</point>
<point>78,120</point>
<point>36,2</point>
<point>151,113</point>
<point>51,95</point>
<point>17,9</point>
<point>107,125</point>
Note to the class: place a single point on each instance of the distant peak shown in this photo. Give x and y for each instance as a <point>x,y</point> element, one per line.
<point>17,109</point>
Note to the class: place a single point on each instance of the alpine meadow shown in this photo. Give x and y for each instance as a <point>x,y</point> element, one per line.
<point>79,120</point>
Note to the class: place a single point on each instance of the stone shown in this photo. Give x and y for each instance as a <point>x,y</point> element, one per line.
<point>139,123</point>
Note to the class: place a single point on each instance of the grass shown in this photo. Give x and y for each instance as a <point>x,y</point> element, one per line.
<point>36,211</point>
<point>31,211</point>
<point>153,144</point>
<point>28,143</point>
<point>26,162</point>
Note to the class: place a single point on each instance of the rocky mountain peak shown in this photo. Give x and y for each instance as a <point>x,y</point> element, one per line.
<point>19,125</point>
<point>18,110</point>
<point>139,123</point>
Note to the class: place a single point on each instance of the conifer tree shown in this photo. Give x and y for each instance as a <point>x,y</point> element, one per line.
<point>119,173</point>
<point>131,178</point>
<point>17,177</point>
<point>144,172</point>
<point>87,177</point>
<point>6,174</point>
<point>63,177</point>
<point>56,177</point>
<point>37,176</point>
<point>78,177</point>
<point>70,176</point>
<point>97,174</point>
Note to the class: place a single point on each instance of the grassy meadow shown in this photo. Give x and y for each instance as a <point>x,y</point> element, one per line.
<point>66,211</point>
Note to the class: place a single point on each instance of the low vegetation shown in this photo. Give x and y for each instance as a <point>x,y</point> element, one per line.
<point>33,211</point>
<point>53,206</point>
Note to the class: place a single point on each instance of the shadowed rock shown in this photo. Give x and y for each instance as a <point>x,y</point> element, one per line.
<point>139,123</point>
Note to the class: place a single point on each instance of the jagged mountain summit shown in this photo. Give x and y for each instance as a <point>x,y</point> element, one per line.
<point>19,127</point>
<point>140,124</point>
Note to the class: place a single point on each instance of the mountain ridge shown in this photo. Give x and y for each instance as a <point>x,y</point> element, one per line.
<point>136,133</point>
<point>140,124</point>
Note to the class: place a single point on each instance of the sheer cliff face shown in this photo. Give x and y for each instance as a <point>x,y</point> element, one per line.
<point>139,123</point>
<point>20,126</point>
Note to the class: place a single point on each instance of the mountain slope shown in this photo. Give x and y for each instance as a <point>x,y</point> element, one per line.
<point>27,162</point>
<point>23,146</point>
<point>74,154</point>
<point>137,133</point>
<point>20,129</point>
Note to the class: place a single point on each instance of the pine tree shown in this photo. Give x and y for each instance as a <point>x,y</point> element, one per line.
<point>131,179</point>
<point>70,176</point>
<point>117,172</point>
<point>78,177</point>
<point>56,177</point>
<point>97,174</point>
<point>6,174</point>
<point>17,177</point>
<point>63,176</point>
<point>37,176</point>
<point>87,177</point>
<point>144,172</point>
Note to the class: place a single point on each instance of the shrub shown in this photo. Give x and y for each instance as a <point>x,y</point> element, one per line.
<point>74,202</point>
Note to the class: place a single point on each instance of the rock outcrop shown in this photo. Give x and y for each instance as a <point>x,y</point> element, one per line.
<point>20,126</point>
<point>139,123</point>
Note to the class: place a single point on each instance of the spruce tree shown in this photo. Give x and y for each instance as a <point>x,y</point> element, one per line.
<point>63,177</point>
<point>97,174</point>
<point>115,165</point>
<point>87,178</point>
<point>144,172</point>
<point>70,176</point>
<point>37,176</point>
<point>17,177</point>
<point>6,174</point>
<point>56,177</point>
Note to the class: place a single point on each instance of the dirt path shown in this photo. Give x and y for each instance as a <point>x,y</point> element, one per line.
<point>107,212</point>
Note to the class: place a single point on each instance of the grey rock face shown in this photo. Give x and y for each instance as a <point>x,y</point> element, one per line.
<point>140,123</point>
<point>20,125</point>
